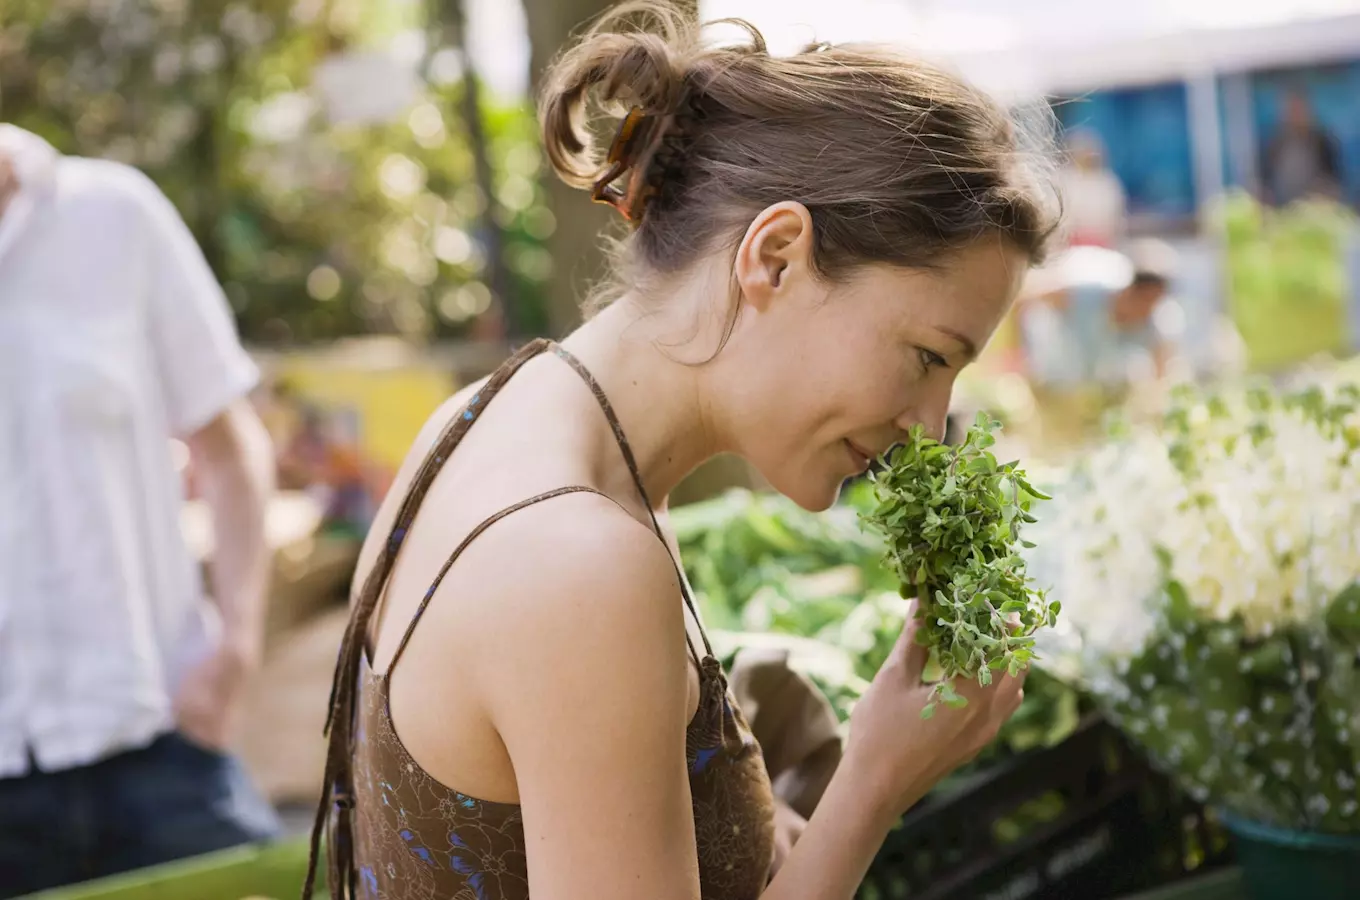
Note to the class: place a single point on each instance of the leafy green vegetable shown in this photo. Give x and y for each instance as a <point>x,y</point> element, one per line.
<point>1287,275</point>
<point>952,518</point>
<point>759,562</point>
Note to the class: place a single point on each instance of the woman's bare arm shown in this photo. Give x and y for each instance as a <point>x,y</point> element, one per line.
<point>585,680</point>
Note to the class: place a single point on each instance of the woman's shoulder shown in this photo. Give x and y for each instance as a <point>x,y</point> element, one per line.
<point>563,593</point>
<point>571,552</point>
<point>579,603</point>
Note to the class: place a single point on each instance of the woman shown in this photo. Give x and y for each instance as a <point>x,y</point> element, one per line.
<point>819,243</point>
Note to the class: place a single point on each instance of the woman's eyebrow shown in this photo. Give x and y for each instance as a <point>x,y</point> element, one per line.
<point>969,348</point>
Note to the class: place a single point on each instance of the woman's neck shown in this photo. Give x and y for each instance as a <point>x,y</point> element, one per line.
<point>661,402</point>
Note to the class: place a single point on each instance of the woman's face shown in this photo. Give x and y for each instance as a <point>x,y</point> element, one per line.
<point>832,375</point>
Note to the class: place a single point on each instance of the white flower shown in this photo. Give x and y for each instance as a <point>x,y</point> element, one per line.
<point>1264,524</point>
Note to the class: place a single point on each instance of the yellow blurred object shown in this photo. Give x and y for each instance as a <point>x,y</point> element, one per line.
<point>389,386</point>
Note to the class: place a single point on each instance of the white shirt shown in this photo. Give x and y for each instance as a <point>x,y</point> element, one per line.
<point>114,337</point>
<point>1094,206</point>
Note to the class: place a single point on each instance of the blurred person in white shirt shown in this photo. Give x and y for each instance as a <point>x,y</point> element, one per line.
<point>120,679</point>
<point>1095,208</point>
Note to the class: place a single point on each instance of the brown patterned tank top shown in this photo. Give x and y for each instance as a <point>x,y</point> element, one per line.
<point>398,834</point>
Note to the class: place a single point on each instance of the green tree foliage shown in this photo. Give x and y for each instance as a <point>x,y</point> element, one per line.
<point>317,228</point>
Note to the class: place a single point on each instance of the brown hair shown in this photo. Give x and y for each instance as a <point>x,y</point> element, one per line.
<point>897,161</point>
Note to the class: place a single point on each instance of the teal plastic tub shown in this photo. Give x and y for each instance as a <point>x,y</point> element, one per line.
<point>1283,864</point>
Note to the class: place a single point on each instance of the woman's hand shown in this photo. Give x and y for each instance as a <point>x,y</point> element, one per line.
<point>903,755</point>
<point>892,759</point>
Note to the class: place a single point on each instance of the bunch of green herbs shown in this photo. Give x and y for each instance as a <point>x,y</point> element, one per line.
<point>952,517</point>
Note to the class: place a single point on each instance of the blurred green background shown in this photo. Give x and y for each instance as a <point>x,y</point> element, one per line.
<point>325,211</point>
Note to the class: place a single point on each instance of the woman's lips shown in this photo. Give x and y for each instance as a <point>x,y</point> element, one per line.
<point>862,458</point>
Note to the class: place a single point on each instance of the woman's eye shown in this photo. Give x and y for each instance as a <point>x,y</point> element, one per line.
<point>930,359</point>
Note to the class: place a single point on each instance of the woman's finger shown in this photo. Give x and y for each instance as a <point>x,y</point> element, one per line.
<point>912,653</point>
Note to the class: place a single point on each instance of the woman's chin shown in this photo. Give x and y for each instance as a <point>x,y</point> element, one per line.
<point>824,502</point>
<point>813,495</point>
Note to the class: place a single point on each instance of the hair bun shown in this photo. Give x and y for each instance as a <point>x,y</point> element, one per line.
<point>635,56</point>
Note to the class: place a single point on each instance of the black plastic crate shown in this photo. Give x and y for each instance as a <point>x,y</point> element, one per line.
<point>1084,820</point>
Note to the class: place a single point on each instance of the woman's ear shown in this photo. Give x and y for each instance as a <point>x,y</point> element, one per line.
<point>776,250</point>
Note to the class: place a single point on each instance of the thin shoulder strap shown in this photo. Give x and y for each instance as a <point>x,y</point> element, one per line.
<point>453,433</point>
<point>617,427</point>
<point>463,545</point>
<point>356,636</point>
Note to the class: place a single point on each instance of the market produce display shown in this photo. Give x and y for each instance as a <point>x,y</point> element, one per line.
<point>762,569</point>
<point>1208,571</point>
<point>1287,277</point>
<point>951,517</point>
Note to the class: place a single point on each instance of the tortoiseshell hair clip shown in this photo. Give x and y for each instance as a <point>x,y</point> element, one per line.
<point>620,159</point>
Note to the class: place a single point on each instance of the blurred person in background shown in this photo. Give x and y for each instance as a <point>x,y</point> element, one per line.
<point>1096,323</point>
<point>1302,159</point>
<point>322,458</point>
<point>120,681</point>
<point>1091,316</point>
<point>1095,208</point>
